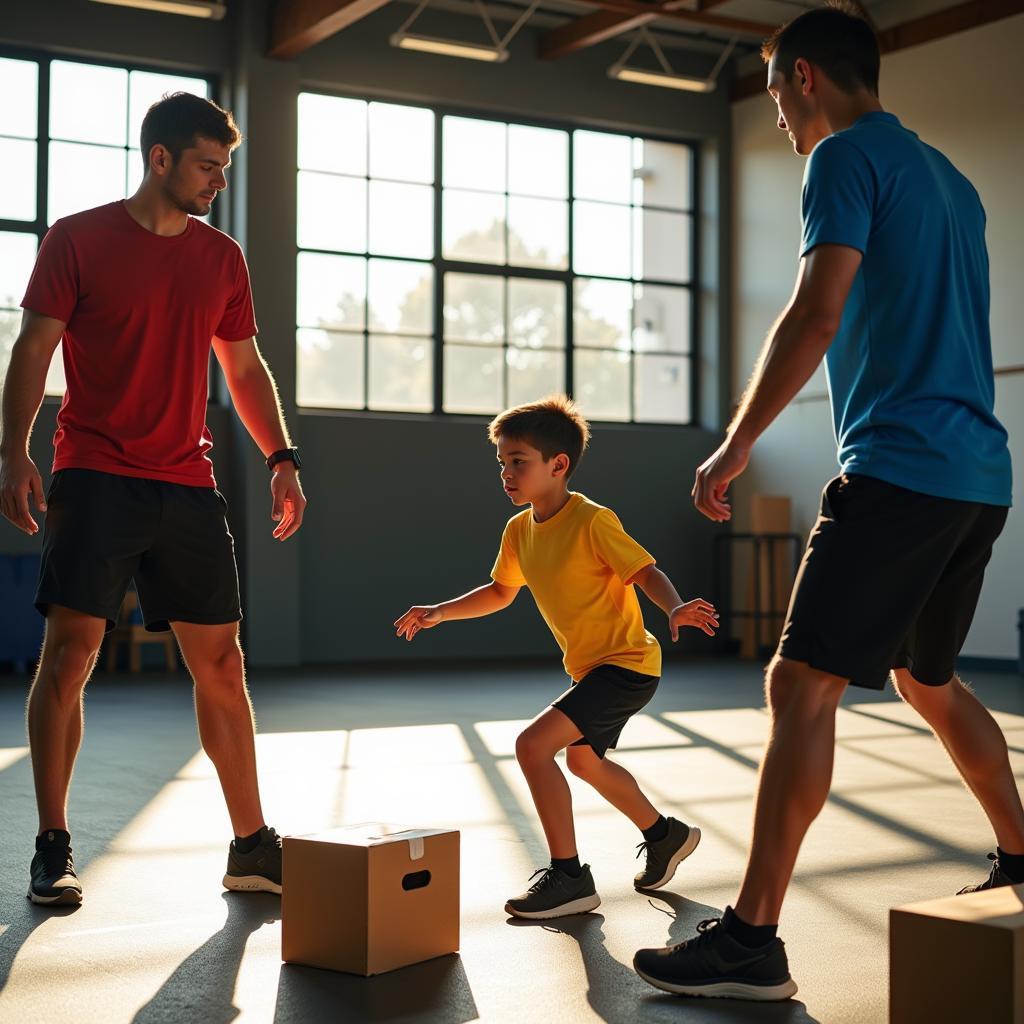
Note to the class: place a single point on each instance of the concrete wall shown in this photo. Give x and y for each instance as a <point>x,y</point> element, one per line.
<point>975,118</point>
<point>407,509</point>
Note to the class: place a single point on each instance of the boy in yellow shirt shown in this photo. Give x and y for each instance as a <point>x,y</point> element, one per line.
<point>581,567</point>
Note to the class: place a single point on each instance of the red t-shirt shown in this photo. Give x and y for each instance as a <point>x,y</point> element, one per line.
<point>141,312</point>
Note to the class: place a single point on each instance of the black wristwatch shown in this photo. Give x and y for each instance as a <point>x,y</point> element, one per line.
<point>284,455</point>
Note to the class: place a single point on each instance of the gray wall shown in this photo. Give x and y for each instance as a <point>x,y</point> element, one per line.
<point>407,509</point>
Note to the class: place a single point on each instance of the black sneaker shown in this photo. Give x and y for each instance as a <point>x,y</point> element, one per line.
<point>53,878</point>
<point>256,871</point>
<point>996,877</point>
<point>556,894</point>
<point>714,964</point>
<point>664,856</point>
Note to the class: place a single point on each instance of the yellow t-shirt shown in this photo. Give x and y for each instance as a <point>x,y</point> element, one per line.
<point>576,565</point>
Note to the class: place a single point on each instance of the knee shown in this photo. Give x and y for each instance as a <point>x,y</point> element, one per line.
<point>530,750</point>
<point>793,689</point>
<point>219,671</point>
<point>72,661</point>
<point>583,765</point>
<point>929,701</point>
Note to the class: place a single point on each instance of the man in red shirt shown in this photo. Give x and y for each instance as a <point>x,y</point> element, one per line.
<point>139,291</point>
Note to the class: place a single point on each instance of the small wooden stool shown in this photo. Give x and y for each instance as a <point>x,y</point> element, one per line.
<point>134,634</point>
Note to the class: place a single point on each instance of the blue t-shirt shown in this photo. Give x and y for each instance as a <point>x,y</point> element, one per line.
<point>910,368</point>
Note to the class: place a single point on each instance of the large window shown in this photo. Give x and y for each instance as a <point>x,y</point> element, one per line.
<point>68,143</point>
<point>457,264</point>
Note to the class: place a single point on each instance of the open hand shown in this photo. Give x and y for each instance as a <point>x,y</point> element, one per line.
<point>289,502</point>
<point>417,618</point>
<point>698,613</point>
<point>20,479</point>
<point>714,477</point>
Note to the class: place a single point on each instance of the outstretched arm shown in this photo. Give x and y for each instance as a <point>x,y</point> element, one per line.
<point>658,587</point>
<point>485,600</point>
<point>794,348</point>
<point>255,398</point>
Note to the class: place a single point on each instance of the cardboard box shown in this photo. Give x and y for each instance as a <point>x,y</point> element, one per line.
<point>370,898</point>
<point>960,958</point>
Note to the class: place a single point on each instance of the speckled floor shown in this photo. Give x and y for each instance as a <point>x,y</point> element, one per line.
<point>157,940</point>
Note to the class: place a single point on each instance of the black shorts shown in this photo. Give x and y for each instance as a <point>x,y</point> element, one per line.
<point>603,701</point>
<point>890,579</point>
<point>103,530</point>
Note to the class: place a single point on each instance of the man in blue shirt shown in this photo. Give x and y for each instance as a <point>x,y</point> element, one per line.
<point>893,290</point>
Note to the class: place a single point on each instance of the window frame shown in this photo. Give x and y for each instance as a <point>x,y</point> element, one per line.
<point>442,266</point>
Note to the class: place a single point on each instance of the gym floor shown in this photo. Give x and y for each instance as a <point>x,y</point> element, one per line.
<point>157,940</point>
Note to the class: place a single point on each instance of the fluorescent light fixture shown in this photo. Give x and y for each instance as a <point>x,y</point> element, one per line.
<point>194,8</point>
<point>449,47</point>
<point>661,78</point>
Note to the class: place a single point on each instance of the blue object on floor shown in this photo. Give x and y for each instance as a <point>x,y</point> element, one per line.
<point>21,626</point>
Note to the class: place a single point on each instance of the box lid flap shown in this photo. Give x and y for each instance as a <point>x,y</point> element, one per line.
<point>997,908</point>
<point>374,833</point>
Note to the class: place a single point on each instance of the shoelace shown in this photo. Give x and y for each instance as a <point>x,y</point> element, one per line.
<point>643,847</point>
<point>547,878</point>
<point>58,860</point>
<point>987,884</point>
<point>705,933</point>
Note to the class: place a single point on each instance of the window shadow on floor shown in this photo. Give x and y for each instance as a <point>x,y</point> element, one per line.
<point>434,992</point>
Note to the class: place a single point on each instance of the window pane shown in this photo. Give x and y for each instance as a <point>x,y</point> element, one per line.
<point>18,195</point>
<point>401,219</point>
<point>401,297</point>
<point>146,88</point>
<point>536,313</point>
<point>331,291</point>
<point>663,389</point>
<point>20,79</point>
<point>332,134</point>
<point>10,324</point>
<point>661,245</point>
<point>136,172</point>
<point>602,166</point>
<point>538,161</point>
<point>332,212</point>
<point>601,239</point>
<point>538,232</point>
<point>17,255</point>
<point>474,308</point>
<point>532,375</point>
<point>88,103</point>
<point>661,174</point>
<point>661,319</point>
<point>474,227</point>
<point>473,153</point>
<point>329,369</point>
<point>602,383</point>
<point>55,382</point>
<point>603,314</point>
<point>472,379</point>
<point>401,373</point>
<point>82,177</point>
<point>401,142</point>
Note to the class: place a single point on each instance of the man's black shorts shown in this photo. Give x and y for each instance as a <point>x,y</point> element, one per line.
<point>890,579</point>
<point>603,701</point>
<point>102,530</point>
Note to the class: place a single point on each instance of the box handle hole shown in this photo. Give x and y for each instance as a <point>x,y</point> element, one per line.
<point>416,880</point>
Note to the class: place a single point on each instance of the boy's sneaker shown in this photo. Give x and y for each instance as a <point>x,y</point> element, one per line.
<point>53,878</point>
<point>556,894</point>
<point>996,877</point>
<point>714,964</point>
<point>256,871</point>
<point>664,856</point>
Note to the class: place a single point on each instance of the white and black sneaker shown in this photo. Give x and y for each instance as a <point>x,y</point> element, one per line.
<point>53,879</point>
<point>259,870</point>
<point>556,894</point>
<point>665,855</point>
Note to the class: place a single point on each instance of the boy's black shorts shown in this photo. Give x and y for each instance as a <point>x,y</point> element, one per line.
<point>890,579</point>
<point>603,701</point>
<point>102,530</point>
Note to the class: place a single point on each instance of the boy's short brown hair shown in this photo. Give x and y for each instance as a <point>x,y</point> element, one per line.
<point>554,426</point>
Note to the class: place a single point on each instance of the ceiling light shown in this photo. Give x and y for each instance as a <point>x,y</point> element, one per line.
<point>666,81</point>
<point>448,47</point>
<point>194,8</point>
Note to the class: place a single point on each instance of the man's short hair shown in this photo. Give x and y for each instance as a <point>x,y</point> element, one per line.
<point>554,426</point>
<point>835,38</point>
<point>179,118</point>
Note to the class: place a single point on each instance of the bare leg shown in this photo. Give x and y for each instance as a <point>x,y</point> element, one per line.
<point>536,747</point>
<point>55,717</point>
<point>614,783</point>
<point>796,773</point>
<point>224,715</point>
<point>977,747</point>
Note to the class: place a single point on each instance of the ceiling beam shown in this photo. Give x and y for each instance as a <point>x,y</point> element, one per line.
<point>296,25</point>
<point>595,28</point>
<point>926,29</point>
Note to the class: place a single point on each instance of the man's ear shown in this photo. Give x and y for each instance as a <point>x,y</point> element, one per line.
<point>803,76</point>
